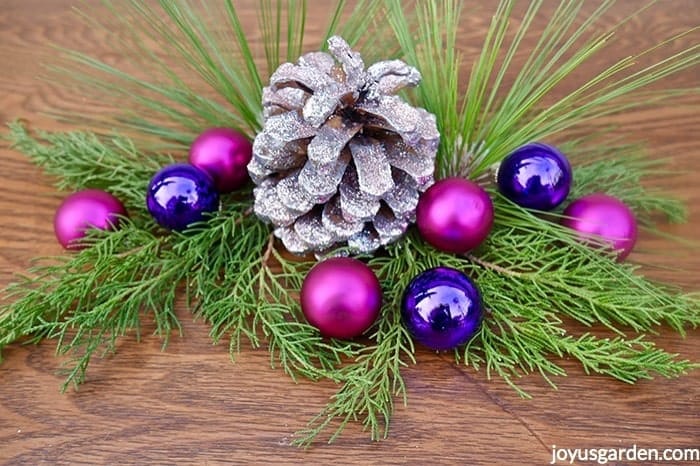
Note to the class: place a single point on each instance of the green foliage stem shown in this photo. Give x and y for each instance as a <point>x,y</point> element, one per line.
<point>534,276</point>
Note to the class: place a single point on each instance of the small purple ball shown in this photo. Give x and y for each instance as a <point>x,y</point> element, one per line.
<point>442,308</point>
<point>535,176</point>
<point>86,209</point>
<point>454,215</point>
<point>605,217</point>
<point>179,195</point>
<point>224,154</point>
<point>341,297</point>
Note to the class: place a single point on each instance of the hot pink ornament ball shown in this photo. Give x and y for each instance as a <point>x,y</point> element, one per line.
<point>224,154</point>
<point>454,215</point>
<point>341,297</point>
<point>86,209</point>
<point>606,217</point>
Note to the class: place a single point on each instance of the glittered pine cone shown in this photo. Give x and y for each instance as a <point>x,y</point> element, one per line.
<point>341,159</point>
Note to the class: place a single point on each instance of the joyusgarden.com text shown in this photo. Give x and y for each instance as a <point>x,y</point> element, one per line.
<point>634,453</point>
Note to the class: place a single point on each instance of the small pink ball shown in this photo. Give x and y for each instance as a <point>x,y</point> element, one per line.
<point>86,209</point>
<point>224,154</point>
<point>605,217</point>
<point>454,215</point>
<point>341,297</point>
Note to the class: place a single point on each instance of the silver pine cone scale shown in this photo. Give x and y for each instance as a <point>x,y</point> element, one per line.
<point>341,159</point>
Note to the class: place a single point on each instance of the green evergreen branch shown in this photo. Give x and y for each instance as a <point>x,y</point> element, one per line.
<point>481,127</point>
<point>625,360</point>
<point>591,286</point>
<point>619,170</point>
<point>238,292</point>
<point>371,382</point>
<point>170,104</point>
<point>297,345</point>
<point>89,300</point>
<point>79,160</point>
<point>433,49</point>
<point>132,270</point>
<point>533,274</point>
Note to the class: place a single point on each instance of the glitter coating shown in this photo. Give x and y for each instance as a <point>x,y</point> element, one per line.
<point>341,160</point>
<point>403,199</point>
<point>355,204</point>
<point>331,139</point>
<point>373,169</point>
<point>321,182</point>
<point>333,220</point>
<point>311,230</point>
<point>388,227</point>
<point>292,195</point>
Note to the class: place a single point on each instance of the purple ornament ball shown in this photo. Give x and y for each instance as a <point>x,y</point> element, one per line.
<point>454,215</point>
<point>86,209</point>
<point>179,195</point>
<point>224,154</point>
<point>605,217</point>
<point>442,308</point>
<point>341,297</point>
<point>535,176</point>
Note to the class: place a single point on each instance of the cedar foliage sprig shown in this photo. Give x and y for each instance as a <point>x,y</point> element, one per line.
<point>236,280</point>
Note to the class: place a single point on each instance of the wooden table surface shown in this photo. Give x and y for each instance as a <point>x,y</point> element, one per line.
<point>191,405</point>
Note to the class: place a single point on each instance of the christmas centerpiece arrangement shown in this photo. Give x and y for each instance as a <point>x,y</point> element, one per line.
<point>348,200</point>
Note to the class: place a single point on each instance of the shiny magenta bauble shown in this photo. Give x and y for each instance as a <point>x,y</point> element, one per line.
<point>83,210</point>
<point>224,154</point>
<point>454,215</point>
<point>341,297</point>
<point>605,217</point>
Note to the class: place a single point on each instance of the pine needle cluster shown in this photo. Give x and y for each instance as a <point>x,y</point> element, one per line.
<point>535,277</point>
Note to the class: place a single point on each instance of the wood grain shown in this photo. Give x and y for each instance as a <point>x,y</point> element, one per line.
<point>191,405</point>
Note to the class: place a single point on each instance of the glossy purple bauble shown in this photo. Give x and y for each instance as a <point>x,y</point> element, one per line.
<point>179,195</point>
<point>536,176</point>
<point>454,215</point>
<point>605,217</point>
<point>224,154</point>
<point>341,297</point>
<point>442,308</point>
<point>86,209</point>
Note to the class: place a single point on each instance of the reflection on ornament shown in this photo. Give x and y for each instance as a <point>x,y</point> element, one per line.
<point>86,209</point>
<point>536,176</point>
<point>224,154</point>
<point>341,297</point>
<point>605,217</point>
<point>442,308</point>
<point>454,215</point>
<point>179,195</point>
<point>341,159</point>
